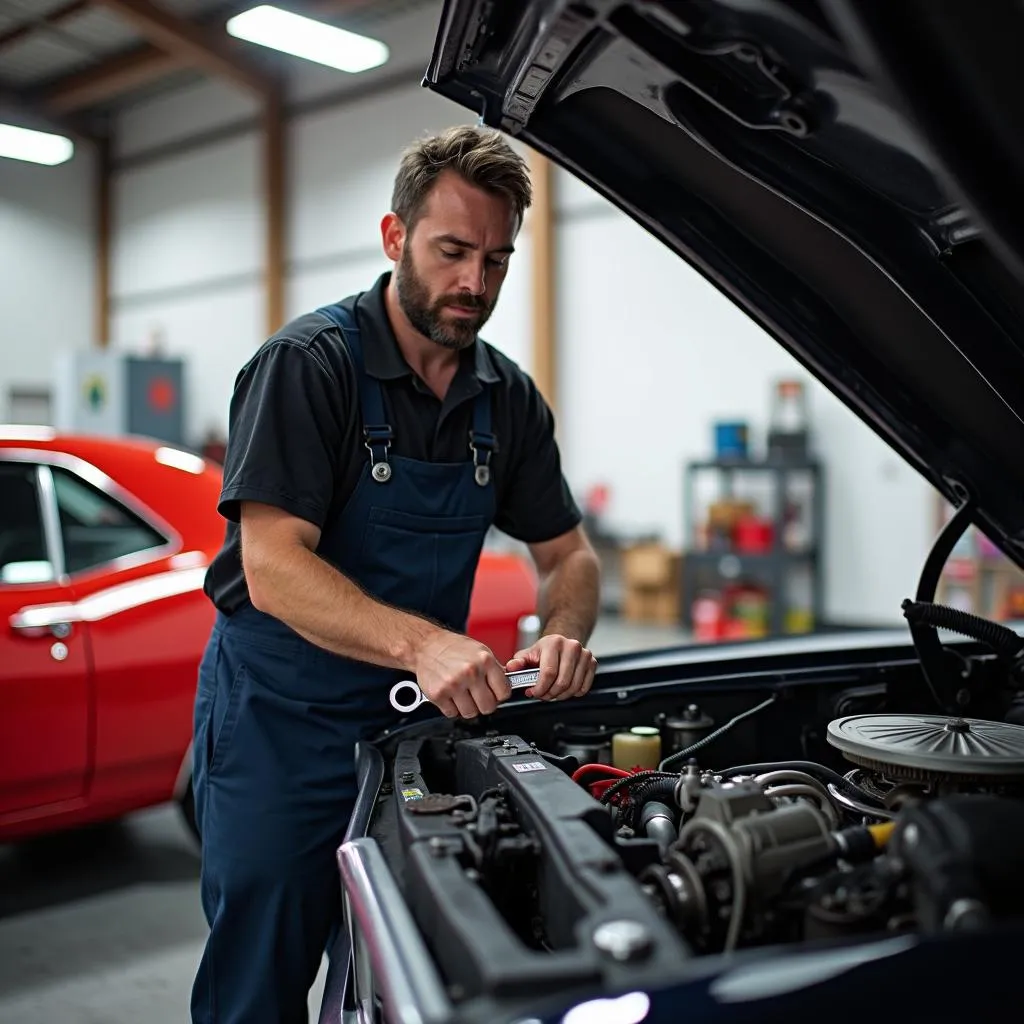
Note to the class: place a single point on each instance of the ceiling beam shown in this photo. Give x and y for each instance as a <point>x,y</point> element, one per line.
<point>118,75</point>
<point>43,21</point>
<point>191,43</point>
<point>31,114</point>
<point>115,76</point>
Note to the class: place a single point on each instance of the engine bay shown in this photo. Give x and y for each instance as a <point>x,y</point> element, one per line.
<point>627,844</point>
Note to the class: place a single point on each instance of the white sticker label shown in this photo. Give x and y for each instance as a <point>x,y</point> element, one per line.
<point>530,766</point>
<point>524,677</point>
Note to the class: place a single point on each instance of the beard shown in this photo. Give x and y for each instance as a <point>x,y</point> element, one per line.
<point>430,317</point>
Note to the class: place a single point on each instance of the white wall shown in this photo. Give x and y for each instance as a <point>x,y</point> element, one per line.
<point>189,245</point>
<point>652,355</point>
<point>47,253</point>
<point>643,339</point>
<point>187,266</point>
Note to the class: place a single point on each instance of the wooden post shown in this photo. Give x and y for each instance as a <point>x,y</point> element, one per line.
<point>101,302</point>
<point>274,209</point>
<point>542,240</point>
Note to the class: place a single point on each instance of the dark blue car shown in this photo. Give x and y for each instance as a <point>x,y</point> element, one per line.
<point>833,826</point>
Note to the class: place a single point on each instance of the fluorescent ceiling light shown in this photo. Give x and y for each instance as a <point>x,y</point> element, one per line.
<point>35,147</point>
<point>307,38</point>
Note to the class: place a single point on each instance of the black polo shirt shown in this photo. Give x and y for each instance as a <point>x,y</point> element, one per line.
<point>295,431</point>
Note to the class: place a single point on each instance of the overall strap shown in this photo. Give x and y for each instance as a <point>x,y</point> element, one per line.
<point>482,441</point>
<point>377,432</point>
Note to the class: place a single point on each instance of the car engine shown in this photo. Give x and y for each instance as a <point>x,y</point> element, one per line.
<point>791,851</point>
<point>624,849</point>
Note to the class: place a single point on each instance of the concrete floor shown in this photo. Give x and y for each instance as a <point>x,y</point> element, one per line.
<point>104,926</point>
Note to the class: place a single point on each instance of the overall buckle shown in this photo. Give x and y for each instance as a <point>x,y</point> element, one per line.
<point>378,438</point>
<point>478,442</point>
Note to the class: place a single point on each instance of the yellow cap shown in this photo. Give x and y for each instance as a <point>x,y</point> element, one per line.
<point>881,833</point>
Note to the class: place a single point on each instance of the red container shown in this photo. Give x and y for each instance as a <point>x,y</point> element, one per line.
<point>753,536</point>
<point>708,617</point>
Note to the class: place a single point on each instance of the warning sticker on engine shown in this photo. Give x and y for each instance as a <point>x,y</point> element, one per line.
<point>530,766</point>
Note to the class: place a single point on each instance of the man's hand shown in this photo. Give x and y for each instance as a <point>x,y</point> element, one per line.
<point>566,667</point>
<point>460,675</point>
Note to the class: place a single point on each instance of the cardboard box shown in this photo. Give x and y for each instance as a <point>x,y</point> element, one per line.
<point>650,584</point>
<point>647,566</point>
<point>656,608</point>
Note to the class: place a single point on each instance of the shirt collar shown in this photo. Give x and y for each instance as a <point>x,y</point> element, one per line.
<point>384,359</point>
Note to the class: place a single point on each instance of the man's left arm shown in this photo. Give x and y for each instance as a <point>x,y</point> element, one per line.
<point>568,599</point>
<point>538,509</point>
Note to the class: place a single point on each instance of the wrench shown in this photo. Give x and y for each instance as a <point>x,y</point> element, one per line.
<point>517,680</point>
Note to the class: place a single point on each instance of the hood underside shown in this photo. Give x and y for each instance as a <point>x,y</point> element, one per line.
<point>838,175</point>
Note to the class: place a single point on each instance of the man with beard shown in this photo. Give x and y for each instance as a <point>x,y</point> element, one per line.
<point>372,444</point>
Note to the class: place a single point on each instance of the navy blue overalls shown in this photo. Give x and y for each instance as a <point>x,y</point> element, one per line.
<point>277,719</point>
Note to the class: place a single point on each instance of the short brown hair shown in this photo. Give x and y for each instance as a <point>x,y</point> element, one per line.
<point>480,156</point>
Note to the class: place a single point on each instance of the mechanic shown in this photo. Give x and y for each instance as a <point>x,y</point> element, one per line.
<point>371,446</point>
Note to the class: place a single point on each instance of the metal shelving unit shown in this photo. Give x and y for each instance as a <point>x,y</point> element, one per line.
<point>723,564</point>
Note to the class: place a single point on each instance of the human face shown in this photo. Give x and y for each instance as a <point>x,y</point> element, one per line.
<point>450,268</point>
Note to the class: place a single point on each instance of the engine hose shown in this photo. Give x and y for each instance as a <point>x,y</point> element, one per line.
<point>653,788</point>
<point>822,801</point>
<point>598,769</point>
<point>633,779</point>
<point>817,770</point>
<point>683,755</point>
<point>1002,640</point>
<point>650,789</point>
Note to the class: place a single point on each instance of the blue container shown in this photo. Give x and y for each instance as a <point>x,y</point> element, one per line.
<point>731,441</point>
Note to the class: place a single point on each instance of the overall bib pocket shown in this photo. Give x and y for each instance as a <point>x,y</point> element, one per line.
<point>444,550</point>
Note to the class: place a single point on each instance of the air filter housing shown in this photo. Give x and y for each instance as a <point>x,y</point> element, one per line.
<point>927,747</point>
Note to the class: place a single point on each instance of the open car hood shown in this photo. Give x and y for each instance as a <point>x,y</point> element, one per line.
<point>847,173</point>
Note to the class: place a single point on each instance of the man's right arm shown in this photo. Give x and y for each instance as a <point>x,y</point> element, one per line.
<point>288,580</point>
<point>293,410</point>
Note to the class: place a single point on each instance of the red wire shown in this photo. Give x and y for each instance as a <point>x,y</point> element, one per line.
<point>598,788</point>
<point>605,769</point>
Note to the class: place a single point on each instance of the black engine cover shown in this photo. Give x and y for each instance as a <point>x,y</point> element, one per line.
<point>558,847</point>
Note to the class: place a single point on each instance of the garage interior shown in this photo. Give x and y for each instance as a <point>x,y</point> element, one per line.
<point>197,190</point>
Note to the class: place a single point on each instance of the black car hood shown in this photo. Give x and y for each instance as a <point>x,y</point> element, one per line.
<point>847,173</point>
